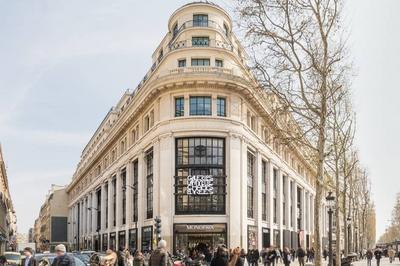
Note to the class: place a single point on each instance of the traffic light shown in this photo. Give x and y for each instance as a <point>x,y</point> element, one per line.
<point>158,228</point>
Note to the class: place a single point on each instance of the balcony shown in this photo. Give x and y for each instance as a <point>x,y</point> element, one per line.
<point>201,69</point>
<point>198,24</point>
<point>210,43</point>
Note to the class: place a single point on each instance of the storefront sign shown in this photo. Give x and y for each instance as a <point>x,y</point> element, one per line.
<point>200,227</point>
<point>200,185</point>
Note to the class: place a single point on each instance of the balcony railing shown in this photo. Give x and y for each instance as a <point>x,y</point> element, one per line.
<point>210,43</point>
<point>198,24</point>
<point>201,69</point>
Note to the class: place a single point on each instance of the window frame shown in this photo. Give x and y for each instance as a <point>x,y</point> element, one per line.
<point>200,109</point>
<point>219,100</point>
<point>199,59</point>
<point>179,102</point>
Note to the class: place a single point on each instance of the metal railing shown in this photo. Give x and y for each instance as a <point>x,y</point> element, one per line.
<point>201,69</point>
<point>211,43</point>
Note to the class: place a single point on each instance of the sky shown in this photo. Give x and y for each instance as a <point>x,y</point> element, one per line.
<point>64,64</point>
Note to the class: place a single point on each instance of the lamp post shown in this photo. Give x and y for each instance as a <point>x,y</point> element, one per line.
<point>330,201</point>
<point>349,234</point>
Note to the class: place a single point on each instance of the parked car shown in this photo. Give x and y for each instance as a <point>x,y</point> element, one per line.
<point>13,258</point>
<point>46,259</point>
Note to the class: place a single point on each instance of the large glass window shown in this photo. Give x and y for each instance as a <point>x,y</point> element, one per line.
<point>114,200</point>
<point>200,105</point>
<point>123,181</point>
<point>250,184</point>
<point>98,220</point>
<point>179,106</point>
<point>133,239</point>
<point>221,106</point>
<point>275,199</point>
<point>200,62</point>
<point>200,20</point>
<point>200,41</point>
<point>264,190</point>
<point>106,202</point>
<point>219,63</point>
<point>200,181</point>
<point>135,190</point>
<point>149,184</point>
<point>147,238</point>
<point>182,63</point>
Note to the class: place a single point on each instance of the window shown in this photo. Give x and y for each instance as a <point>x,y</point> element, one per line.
<point>264,190</point>
<point>200,20</point>
<point>182,63</point>
<point>135,190</point>
<point>114,200</point>
<point>221,106</point>
<point>284,180</point>
<point>250,184</point>
<point>106,202</point>
<point>123,181</point>
<point>200,105</point>
<point>149,184</point>
<point>219,63</point>
<point>179,106</point>
<point>275,200</point>
<point>98,207</point>
<point>200,62</point>
<point>226,30</point>
<point>291,203</point>
<point>200,41</point>
<point>200,157</point>
<point>175,30</point>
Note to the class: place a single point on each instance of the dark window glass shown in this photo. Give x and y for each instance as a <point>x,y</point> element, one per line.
<point>133,239</point>
<point>200,41</point>
<point>200,20</point>
<point>275,200</point>
<point>200,105</point>
<point>175,30</point>
<point>135,190</point>
<point>221,106</point>
<point>219,63</point>
<point>179,106</point>
<point>123,179</point>
<point>264,206</point>
<point>98,221</point>
<point>106,203</point>
<point>147,238</point>
<point>114,200</point>
<point>149,184</point>
<point>200,62</point>
<point>226,29</point>
<point>182,63</point>
<point>250,184</point>
<point>201,156</point>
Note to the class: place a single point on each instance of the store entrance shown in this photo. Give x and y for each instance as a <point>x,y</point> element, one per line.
<point>198,236</point>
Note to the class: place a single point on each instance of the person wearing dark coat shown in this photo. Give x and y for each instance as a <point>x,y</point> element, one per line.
<point>62,259</point>
<point>300,256</point>
<point>369,256</point>
<point>378,256</point>
<point>271,256</point>
<point>286,256</point>
<point>220,258</point>
<point>29,260</point>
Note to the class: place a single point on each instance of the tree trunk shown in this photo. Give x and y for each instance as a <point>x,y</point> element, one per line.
<point>345,220</point>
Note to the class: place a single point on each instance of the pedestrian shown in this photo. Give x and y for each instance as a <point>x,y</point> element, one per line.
<point>369,256</point>
<point>293,251</point>
<point>235,259</point>
<point>138,259</point>
<point>325,254</point>
<point>111,258</point>
<point>221,257</point>
<point>3,261</point>
<point>278,255</point>
<point>29,260</point>
<point>160,256</point>
<point>121,255</point>
<point>62,258</point>
<point>256,256</point>
<point>378,256</point>
<point>391,253</point>
<point>271,256</point>
<point>300,256</point>
<point>286,256</point>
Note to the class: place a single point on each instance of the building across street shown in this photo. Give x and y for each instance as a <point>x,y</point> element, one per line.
<point>195,145</point>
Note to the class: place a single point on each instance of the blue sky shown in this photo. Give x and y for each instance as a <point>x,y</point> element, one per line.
<point>63,64</point>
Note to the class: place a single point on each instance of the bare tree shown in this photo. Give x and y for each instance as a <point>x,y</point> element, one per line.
<point>341,138</point>
<point>299,55</point>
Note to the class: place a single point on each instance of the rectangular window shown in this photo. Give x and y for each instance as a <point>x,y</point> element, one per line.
<point>219,63</point>
<point>98,221</point>
<point>182,63</point>
<point>200,20</point>
<point>175,30</point>
<point>179,106</point>
<point>123,181</point>
<point>200,41</point>
<point>114,190</point>
<point>226,30</point>
<point>147,238</point>
<point>200,105</point>
<point>284,180</point>
<point>135,190</point>
<point>221,106</point>
<point>200,158</point>
<point>149,184</point>
<point>264,206</point>
<point>264,189</point>
<point>106,202</point>
<point>250,184</point>
<point>275,200</point>
<point>200,62</point>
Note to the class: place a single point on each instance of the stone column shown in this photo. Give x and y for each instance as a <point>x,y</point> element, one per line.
<point>110,206</point>
<point>141,195</point>
<point>280,207</point>
<point>129,195</point>
<point>93,226</point>
<point>258,197</point>
<point>118,198</point>
<point>271,201</point>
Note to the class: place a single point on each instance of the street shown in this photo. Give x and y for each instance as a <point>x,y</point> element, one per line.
<point>384,262</point>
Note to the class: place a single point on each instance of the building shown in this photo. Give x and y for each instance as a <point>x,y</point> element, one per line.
<point>8,219</point>
<point>51,225</point>
<point>31,236</point>
<point>195,145</point>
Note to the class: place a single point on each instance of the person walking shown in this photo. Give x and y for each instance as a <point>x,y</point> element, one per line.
<point>300,256</point>
<point>138,259</point>
<point>3,261</point>
<point>271,256</point>
<point>286,256</point>
<point>111,258</point>
<point>160,256</point>
<point>391,254</point>
<point>62,258</point>
<point>221,257</point>
<point>29,260</point>
<point>369,256</point>
<point>378,256</point>
<point>325,254</point>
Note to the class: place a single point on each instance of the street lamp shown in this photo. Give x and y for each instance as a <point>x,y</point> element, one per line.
<point>348,234</point>
<point>330,201</point>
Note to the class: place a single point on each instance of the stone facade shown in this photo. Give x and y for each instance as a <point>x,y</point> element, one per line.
<point>195,117</point>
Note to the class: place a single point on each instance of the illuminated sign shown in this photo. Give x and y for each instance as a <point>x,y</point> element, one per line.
<point>200,185</point>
